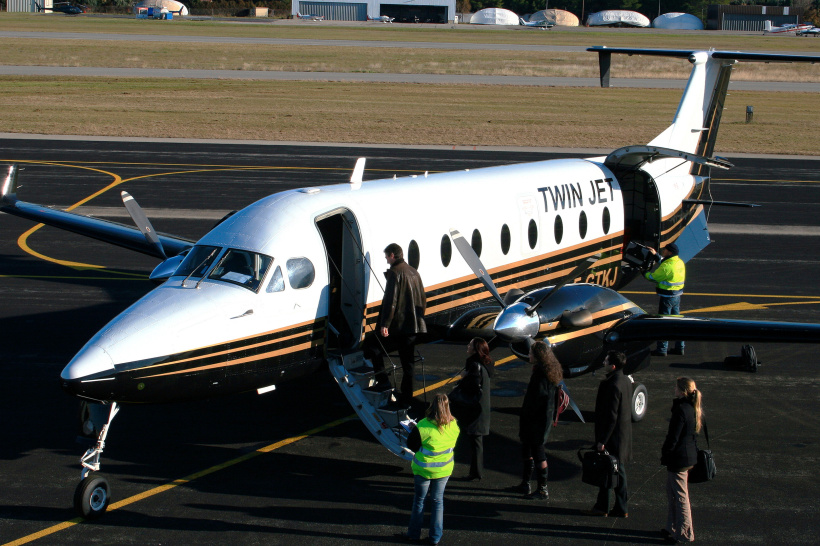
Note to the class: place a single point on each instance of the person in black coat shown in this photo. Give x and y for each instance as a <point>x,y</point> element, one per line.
<point>613,431</point>
<point>475,417</point>
<point>679,454</point>
<point>537,415</point>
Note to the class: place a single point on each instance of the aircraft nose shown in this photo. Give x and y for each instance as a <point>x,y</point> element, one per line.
<point>90,363</point>
<point>514,324</point>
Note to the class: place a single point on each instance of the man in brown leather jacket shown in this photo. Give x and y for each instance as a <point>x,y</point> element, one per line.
<point>401,319</point>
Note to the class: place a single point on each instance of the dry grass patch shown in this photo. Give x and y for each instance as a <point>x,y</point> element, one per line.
<point>417,114</point>
<point>353,59</point>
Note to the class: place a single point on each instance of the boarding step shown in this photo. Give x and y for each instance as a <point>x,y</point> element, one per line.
<point>373,404</point>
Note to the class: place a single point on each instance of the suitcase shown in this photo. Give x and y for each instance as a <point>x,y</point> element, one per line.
<point>599,468</point>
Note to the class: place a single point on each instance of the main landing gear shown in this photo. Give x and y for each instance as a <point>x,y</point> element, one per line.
<point>93,493</point>
<point>640,400</point>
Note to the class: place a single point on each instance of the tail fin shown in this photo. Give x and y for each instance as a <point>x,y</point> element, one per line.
<point>695,126</point>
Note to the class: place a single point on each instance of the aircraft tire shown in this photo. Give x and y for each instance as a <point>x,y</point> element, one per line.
<point>92,496</point>
<point>640,401</point>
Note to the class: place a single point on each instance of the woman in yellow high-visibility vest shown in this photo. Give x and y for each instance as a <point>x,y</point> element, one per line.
<point>433,441</point>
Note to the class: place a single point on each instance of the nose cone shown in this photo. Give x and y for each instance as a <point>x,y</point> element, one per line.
<point>514,324</point>
<point>90,363</point>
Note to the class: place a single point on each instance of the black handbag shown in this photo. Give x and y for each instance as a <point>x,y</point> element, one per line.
<point>598,468</point>
<point>704,470</point>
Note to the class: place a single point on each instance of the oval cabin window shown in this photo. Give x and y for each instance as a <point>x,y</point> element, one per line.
<point>532,233</point>
<point>505,239</point>
<point>582,224</point>
<point>413,255</point>
<point>559,229</point>
<point>446,250</point>
<point>476,242</point>
<point>606,220</point>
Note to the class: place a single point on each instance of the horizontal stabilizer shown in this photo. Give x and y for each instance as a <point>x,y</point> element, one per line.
<point>652,327</point>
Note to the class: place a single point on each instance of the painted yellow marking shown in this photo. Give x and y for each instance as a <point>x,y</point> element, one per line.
<point>743,306</point>
<point>216,468</point>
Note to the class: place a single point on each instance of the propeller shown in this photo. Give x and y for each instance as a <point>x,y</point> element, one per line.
<point>517,321</point>
<point>142,222</point>
<point>475,264</point>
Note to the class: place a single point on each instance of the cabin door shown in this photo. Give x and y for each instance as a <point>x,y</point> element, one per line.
<point>347,276</point>
<point>642,210</point>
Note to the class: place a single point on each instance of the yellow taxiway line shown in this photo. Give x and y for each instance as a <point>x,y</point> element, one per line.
<point>216,468</point>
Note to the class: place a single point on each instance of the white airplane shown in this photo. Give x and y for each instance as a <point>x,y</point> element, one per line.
<point>813,31</point>
<point>311,17</point>
<point>381,18</point>
<point>294,280</point>
<point>543,24</point>
<point>768,28</point>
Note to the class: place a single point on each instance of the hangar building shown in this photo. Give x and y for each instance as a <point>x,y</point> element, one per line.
<point>750,18</point>
<point>414,11</point>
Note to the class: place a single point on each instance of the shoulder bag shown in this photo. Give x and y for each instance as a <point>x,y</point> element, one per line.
<point>704,470</point>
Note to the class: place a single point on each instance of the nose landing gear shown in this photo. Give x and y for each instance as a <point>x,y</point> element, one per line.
<point>93,493</point>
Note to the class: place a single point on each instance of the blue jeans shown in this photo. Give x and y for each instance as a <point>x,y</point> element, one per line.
<point>669,305</point>
<point>436,490</point>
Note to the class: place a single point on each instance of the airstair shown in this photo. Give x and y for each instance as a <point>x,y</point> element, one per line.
<point>375,406</point>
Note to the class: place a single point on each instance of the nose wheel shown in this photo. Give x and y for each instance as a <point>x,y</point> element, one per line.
<point>93,493</point>
<point>92,496</point>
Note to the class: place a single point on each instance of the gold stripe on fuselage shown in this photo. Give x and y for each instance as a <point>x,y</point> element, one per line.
<point>228,364</point>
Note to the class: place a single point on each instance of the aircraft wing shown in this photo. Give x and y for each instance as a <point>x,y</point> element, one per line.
<point>652,327</point>
<point>110,232</point>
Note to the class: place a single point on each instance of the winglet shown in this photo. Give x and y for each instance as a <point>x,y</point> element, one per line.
<point>9,189</point>
<point>358,173</point>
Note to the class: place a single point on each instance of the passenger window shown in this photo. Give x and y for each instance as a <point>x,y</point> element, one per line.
<point>606,221</point>
<point>242,267</point>
<point>300,272</point>
<point>446,250</point>
<point>505,239</point>
<point>582,224</point>
<point>532,233</point>
<point>559,229</point>
<point>476,242</point>
<point>277,281</point>
<point>413,255</point>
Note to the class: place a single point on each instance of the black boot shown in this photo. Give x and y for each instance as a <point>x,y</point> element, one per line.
<point>541,493</point>
<point>526,474</point>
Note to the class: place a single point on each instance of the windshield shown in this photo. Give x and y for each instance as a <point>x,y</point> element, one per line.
<point>242,267</point>
<point>198,261</point>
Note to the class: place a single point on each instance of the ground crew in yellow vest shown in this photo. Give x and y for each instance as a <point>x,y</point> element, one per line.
<point>668,278</point>
<point>433,441</point>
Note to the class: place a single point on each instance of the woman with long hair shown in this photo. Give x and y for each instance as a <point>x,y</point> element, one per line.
<point>475,387</point>
<point>537,414</point>
<point>679,454</point>
<point>433,441</point>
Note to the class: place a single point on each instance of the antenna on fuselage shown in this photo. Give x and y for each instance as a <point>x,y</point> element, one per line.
<point>358,173</point>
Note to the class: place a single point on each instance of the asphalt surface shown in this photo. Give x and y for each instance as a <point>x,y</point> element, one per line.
<point>290,468</point>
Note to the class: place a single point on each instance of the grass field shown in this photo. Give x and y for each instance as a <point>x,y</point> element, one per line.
<point>382,113</point>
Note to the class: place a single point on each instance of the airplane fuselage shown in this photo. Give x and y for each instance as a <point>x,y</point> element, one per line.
<point>530,224</point>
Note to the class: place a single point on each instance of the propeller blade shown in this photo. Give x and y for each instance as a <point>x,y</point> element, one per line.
<point>572,403</point>
<point>142,222</point>
<point>475,264</point>
<point>580,268</point>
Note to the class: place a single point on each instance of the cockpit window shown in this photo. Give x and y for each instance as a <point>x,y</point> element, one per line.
<point>300,272</point>
<point>277,281</point>
<point>198,261</point>
<point>242,267</point>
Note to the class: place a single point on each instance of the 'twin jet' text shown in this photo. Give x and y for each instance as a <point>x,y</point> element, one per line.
<point>571,195</point>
